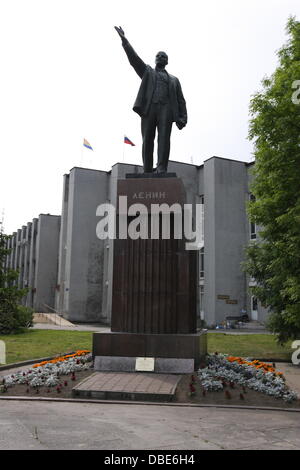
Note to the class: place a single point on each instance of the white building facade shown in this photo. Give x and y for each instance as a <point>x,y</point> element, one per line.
<point>68,269</point>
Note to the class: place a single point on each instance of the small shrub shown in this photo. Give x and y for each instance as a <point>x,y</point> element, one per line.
<point>14,320</point>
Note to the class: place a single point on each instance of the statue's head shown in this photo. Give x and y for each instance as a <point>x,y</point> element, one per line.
<point>161,58</point>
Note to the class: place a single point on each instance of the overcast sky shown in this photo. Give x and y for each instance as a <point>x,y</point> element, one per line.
<point>65,77</point>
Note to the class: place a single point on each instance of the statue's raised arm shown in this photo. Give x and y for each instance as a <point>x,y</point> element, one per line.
<point>137,63</point>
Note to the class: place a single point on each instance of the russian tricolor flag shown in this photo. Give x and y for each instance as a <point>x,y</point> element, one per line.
<point>87,144</point>
<point>128,141</point>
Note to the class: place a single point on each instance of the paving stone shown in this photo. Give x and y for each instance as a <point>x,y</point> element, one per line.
<point>291,373</point>
<point>128,386</point>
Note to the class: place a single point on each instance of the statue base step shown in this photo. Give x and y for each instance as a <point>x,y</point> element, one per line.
<point>172,353</point>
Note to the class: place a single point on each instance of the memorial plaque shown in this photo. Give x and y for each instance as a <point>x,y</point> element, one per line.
<point>233,302</point>
<point>144,364</point>
<point>223,297</point>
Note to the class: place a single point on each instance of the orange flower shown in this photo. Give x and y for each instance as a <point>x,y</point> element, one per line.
<point>256,363</point>
<point>80,352</point>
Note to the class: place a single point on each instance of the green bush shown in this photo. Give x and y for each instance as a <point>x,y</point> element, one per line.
<point>25,316</point>
<point>14,320</point>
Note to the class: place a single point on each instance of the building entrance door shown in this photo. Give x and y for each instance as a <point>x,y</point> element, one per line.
<point>254,315</point>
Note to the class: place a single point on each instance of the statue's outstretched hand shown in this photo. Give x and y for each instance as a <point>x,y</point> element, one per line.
<point>120,31</point>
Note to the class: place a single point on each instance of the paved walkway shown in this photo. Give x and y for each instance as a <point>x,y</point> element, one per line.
<point>49,425</point>
<point>99,328</point>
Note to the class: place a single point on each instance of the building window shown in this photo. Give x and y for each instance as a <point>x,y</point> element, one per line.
<point>201,302</point>
<point>252,230</point>
<point>202,263</point>
<point>254,305</point>
<point>252,224</point>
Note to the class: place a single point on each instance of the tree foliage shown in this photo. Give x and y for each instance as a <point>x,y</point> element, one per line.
<point>13,316</point>
<point>274,260</point>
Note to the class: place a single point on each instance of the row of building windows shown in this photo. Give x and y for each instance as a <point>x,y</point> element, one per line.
<point>253,231</point>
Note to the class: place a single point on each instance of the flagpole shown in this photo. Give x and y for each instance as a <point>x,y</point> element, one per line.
<point>81,156</point>
<point>123,147</point>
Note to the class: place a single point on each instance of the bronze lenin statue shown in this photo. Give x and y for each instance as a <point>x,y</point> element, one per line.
<point>159,102</point>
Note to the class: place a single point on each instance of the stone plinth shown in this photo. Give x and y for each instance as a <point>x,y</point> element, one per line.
<point>154,280</point>
<point>173,347</point>
<point>154,286</point>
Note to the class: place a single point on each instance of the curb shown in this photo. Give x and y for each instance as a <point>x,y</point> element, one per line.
<point>123,402</point>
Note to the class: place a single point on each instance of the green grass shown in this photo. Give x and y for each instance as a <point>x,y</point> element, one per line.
<point>258,346</point>
<point>34,344</point>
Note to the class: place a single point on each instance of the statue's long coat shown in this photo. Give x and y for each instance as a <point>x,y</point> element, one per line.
<point>145,93</point>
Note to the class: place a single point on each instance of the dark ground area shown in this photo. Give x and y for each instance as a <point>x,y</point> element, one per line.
<point>229,396</point>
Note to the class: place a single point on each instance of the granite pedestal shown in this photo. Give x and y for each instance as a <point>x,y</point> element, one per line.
<point>154,288</point>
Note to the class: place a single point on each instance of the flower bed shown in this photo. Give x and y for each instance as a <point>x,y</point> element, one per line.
<point>79,353</point>
<point>223,371</point>
<point>48,373</point>
<point>224,380</point>
<point>257,364</point>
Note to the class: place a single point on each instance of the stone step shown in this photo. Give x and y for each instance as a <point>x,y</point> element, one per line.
<point>137,386</point>
<point>51,318</point>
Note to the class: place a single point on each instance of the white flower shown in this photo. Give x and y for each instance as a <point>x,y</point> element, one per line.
<point>212,385</point>
<point>36,381</point>
<point>51,381</point>
<point>243,374</point>
<point>9,380</point>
